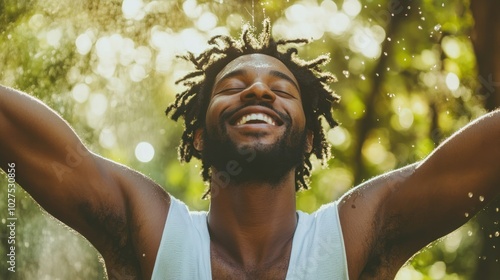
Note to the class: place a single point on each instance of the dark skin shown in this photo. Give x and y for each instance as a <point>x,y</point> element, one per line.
<point>122,213</point>
<point>252,224</point>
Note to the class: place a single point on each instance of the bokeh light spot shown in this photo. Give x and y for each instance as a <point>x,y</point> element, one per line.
<point>144,152</point>
<point>83,44</point>
<point>98,104</point>
<point>80,92</point>
<point>107,138</point>
<point>452,81</point>
<point>206,22</point>
<point>351,7</point>
<point>406,118</point>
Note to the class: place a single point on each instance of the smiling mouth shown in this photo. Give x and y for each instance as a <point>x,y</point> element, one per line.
<point>256,118</point>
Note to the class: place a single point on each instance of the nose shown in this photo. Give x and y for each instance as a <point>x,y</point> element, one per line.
<point>258,91</point>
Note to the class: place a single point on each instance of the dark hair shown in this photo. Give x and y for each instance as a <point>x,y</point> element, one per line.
<point>317,97</point>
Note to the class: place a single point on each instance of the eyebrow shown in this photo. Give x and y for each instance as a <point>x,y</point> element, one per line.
<point>274,73</point>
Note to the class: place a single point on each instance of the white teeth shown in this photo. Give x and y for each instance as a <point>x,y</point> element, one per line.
<point>255,117</point>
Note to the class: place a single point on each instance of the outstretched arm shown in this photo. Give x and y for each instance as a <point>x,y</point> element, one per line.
<point>399,213</point>
<point>100,199</point>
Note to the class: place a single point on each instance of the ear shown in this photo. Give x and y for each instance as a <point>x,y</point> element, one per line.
<point>309,141</point>
<point>198,140</point>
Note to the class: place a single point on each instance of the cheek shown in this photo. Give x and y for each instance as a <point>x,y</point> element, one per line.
<point>298,116</point>
<point>212,117</point>
<point>212,112</point>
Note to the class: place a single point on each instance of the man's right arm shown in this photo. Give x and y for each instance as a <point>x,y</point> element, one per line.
<point>52,164</point>
<point>98,198</point>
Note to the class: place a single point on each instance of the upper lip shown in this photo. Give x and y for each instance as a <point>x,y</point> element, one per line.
<point>255,110</point>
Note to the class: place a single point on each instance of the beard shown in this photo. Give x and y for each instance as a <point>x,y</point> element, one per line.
<point>258,163</point>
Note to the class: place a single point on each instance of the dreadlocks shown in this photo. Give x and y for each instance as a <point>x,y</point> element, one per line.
<point>317,97</point>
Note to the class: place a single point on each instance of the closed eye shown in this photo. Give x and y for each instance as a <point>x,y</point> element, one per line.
<point>282,92</point>
<point>229,91</point>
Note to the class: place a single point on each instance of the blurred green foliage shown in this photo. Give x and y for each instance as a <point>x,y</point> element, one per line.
<point>406,74</point>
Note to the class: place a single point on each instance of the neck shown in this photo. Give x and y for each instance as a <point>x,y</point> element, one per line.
<point>253,223</point>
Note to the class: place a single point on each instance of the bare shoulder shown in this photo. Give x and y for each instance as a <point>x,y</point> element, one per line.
<point>133,232</point>
<point>369,229</point>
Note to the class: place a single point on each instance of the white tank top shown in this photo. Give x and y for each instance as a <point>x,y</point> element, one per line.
<point>317,249</point>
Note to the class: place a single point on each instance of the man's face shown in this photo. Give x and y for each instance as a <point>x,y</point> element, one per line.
<point>255,109</point>
<point>248,97</point>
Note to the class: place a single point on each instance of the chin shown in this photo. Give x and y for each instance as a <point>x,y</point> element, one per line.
<point>255,161</point>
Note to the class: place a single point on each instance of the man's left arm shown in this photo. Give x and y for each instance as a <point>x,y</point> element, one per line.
<point>453,183</point>
<point>399,213</point>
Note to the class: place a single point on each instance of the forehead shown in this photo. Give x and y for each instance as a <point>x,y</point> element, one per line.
<point>255,62</point>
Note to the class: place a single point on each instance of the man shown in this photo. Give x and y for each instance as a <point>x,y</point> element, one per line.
<point>253,115</point>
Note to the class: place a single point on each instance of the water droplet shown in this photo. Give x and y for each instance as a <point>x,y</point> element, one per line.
<point>481,198</point>
<point>469,233</point>
<point>466,215</point>
<point>470,195</point>
<point>389,39</point>
<point>497,209</point>
<point>346,73</point>
<point>420,27</point>
<point>346,57</point>
<point>437,27</point>
<point>497,233</point>
<point>362,77</point>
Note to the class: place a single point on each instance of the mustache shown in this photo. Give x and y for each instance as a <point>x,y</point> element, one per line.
<point>287,120</point>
